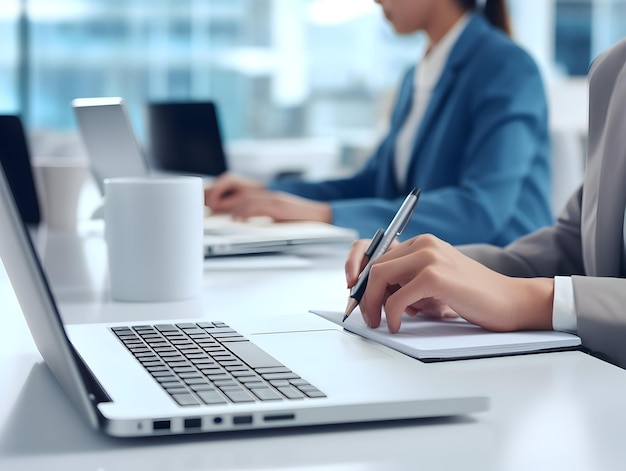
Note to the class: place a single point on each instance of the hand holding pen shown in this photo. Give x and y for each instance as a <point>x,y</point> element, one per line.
<point>379,245</point>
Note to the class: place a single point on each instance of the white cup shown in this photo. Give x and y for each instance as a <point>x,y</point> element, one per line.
<point>59,182</point>
<point>154,228</point>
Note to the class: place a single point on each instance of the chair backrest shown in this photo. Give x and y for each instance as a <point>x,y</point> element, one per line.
<point>15,160</point>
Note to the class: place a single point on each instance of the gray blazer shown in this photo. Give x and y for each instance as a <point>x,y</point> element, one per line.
<point>587,241</point>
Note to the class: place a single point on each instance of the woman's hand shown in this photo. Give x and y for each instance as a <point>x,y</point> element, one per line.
<point>244,198</point>
<point>229,190</point>
<point>427,275</point>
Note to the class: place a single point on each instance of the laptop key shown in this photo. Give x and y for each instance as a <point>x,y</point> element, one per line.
<point>255,385</point>
<point>166,379</point>
<point>239,396</point>
<point>275,376</point>
<point>211,397</point>
<point>314,393</point>
<point>290,392</point>
<point>185,399</point>
<point>172,384</point>
<point>172,391</point>
<point>266,394</point>
<point>280,369</point>
<point>202,387</point>
<point>195,381</point>
<point>252,355</point>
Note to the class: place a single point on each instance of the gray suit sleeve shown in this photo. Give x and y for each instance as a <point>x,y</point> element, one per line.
<point>601,316</point>
<point>600,301</point>
<point>548,252</point>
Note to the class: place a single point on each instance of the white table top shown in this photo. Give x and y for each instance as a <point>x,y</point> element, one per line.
<point>548,411</point>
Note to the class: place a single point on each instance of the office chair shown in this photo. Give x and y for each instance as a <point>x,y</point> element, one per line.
<point>15,160</point>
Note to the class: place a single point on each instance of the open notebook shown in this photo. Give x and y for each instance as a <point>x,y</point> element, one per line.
<point>452,339</point>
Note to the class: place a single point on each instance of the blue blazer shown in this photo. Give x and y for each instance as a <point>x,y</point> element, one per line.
<point>480,157</point>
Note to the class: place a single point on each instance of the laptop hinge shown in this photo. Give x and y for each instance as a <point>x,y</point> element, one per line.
<point>96,392</point>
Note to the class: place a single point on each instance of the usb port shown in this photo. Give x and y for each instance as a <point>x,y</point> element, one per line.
<point>242,419</point>
<point>193,423</point>
<point>161,425</point>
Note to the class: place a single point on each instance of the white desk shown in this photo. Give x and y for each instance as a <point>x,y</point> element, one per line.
<point>550,411</point>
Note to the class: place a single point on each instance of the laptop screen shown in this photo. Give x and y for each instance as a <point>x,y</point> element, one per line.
<point>108,136</point>
<point>185,138</point>
<point>37,303</point>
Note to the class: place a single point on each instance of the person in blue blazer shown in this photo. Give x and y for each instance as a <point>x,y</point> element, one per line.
<point>469,128</point>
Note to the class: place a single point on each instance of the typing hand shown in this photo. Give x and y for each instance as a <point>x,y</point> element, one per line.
<point>281,207</point>
<point>228,191</point>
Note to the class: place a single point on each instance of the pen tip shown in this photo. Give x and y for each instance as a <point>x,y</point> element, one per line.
<point>352,304</point>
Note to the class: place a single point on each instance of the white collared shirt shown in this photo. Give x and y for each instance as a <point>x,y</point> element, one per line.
<point>427,74</point>
<point>563,306</point>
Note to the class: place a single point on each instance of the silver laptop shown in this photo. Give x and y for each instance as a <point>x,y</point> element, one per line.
<point>163,378</point>
<point>111,144</point>
<point>114,151</point>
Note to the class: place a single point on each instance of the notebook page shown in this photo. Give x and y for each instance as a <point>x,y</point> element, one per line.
<point>428,339</point>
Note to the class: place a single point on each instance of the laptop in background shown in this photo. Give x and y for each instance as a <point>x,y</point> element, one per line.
<point>185,138</point>
<point>16,161</point>
<point>109,139</point>
<point>224,236</point>
<point>202,375</point>
<point>114,151</point>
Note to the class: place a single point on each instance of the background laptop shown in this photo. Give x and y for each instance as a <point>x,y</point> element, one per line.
<point>114,151</point>
<point>107,133</point>
<point>202,376</point>
<point>16,161</point>
<point>185,138</point>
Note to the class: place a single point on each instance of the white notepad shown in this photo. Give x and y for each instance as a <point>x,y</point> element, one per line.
<point>450,339</point>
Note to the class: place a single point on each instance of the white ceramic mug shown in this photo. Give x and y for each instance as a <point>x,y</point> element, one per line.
<point>59,183</point>
<point>154,230</point>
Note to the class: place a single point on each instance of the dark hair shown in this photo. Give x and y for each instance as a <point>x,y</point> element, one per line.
<point>494,10</point>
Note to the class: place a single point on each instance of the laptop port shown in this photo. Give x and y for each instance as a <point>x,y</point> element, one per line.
<point>242,419</point>
<point>272,418</point>
<point>161,425</point>
<point>194,423</point>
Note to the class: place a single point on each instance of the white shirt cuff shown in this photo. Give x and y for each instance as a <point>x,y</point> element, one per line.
<point>563,307</point>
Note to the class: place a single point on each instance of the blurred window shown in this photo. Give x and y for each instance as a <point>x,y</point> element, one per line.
<point>276,68</point>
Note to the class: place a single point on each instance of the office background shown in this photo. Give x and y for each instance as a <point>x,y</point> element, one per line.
<point>312,79</point>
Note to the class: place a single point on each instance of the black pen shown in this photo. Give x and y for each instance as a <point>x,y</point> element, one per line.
<point>379,245</point>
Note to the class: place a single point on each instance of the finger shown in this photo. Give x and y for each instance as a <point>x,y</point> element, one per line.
<point>356,261</point>
<point>424,284</point>
<point>416,244</point>
<point>397,271</point>
<point>221,187</point>
<point>383,277</point>
<point>247,208</point>
<point>430,307</point>
<point>227,203</point>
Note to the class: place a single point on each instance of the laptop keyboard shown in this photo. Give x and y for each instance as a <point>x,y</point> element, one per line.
<point>211,363</point>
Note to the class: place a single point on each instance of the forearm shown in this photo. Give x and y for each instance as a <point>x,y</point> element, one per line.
<point>533,310</point>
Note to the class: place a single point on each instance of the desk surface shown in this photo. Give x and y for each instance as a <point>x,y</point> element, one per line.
<point>548,411</point>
